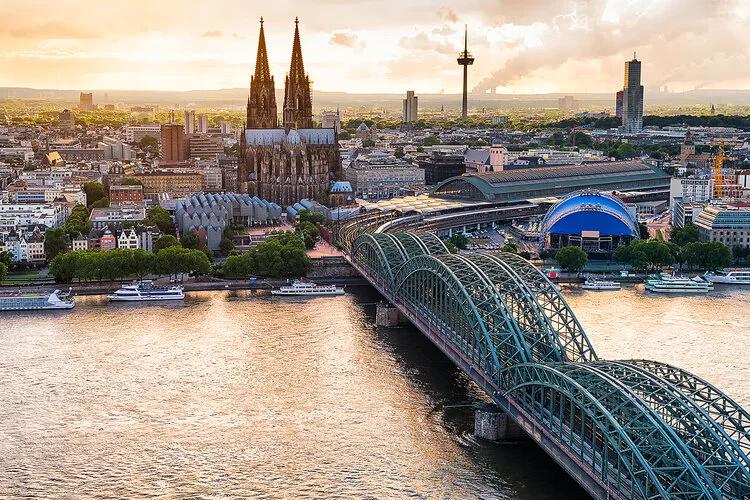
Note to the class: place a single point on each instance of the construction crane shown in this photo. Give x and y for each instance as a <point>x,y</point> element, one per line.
<point>718,166</point>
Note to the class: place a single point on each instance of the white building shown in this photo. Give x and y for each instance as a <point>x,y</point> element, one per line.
<point>115,150</point>
<point>13,216</point>
<point>128,239</point>
<point>202,124</point>
<point>189,122</point>
<point>134,133</point>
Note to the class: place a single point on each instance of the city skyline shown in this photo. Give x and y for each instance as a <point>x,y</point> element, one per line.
<point>549,47</point>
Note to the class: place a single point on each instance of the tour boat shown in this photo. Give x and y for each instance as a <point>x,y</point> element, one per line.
<point>600,285</point>
<point>145,290</point>
<point>36,301</point>
<point>729,277</point>
<point>664,283</point>
<point>299,287</point>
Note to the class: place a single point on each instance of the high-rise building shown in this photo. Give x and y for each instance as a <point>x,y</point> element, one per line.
<point>202,125</point>
<point>86,101</point>
<point>189,122</point>
<point>632,98</point>
<point>226,127</point>
<point>618,104</point>
<point>172,142</point>
<point>332,120</point>
<point>410,107</point>
<point>285,165</point>
<point>567,103</point>
<point>68,120</point>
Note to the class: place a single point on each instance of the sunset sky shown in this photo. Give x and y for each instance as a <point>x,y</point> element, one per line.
<point>521,46</point>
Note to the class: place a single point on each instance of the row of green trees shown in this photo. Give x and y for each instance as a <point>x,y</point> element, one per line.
<point>120,263</point>
<point>683,249</point>
<point>281,255</point>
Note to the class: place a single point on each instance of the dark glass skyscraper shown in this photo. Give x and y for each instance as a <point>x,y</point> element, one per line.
<point>632,98</point>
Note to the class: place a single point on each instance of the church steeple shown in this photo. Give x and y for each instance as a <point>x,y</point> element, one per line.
<point>261,104</point>
<point>297,98</point>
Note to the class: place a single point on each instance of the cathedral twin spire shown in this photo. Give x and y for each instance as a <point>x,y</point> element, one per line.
<point>261,105</point>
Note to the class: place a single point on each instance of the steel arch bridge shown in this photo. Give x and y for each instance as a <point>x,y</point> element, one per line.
<point>623,429</point>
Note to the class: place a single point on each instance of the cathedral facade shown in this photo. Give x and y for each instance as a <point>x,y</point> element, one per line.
<point>284,164</point>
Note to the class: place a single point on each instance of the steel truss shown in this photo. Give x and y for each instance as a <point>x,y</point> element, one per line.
<point>645,429</point>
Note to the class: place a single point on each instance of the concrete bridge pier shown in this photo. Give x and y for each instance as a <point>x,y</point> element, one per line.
<point>388,315</point>
<point>493,424</point>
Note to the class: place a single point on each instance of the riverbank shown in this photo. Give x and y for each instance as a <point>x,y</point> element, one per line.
<point>189,286</point>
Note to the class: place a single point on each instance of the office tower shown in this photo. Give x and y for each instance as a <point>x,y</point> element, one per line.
<point>202,124</point>
<point>189,122</point>
<point>172,142</point>
<point>410,107</point>
<point>618,104</point>
<point>632,98</point>
<point>86,101</point>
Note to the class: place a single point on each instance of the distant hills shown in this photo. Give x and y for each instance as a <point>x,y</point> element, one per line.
<point>331,100</point>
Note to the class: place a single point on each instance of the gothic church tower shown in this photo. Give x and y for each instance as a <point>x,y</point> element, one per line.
<point>261,104</point>
<point>297,98</point>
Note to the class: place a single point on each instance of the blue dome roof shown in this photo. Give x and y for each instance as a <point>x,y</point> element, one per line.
<point>590,211</point>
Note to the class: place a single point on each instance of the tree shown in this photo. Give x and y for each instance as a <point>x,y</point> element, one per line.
<point>142,263</point>
<point>3,271</point>
<point>459,240</point>
<point>509,248</point>
<point>54,242</point>
<point>78,221</point>
<point>368,143</point>
<point>94,192</point>
<point>165,241</point>
<point>625,150</point>
<point>6,258</point>
<point>190,240</point>
<point>420,149</point>
<point>644,233</point>
<point>131,181</point>
<point>100,203</point>
<point>159,217</point>
<point>226,245</point>
<point>572,258</point>
<point>149,141</point>
<point>450,246</point>
<point>683,235</point>
<point>431,140</point>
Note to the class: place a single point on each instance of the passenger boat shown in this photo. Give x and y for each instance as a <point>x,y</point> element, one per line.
<point>729,277</point>
<point>299,287</point>
<point>600,285</point>
<point>18,301</point>
<point>665,283</point>
<point>146,290</point>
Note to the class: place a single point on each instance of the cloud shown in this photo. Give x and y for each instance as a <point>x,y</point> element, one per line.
<point>447,14</point>
<point>346,40</point>
<point>212,34</point>
<point>45,31</point>
<point>422,41</point>
<point>444,30</point>
<point>589,31</point>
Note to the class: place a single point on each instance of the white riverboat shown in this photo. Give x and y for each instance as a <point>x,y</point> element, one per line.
<point>600,285</point>
<point>19,301</point>
<point>146,290</point>
<point>665,283</point>
<point>729,277</point>
<point>299,287</point>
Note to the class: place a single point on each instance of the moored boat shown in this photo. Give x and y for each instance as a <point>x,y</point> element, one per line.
<point>19,301</point>
<point>146,290</point>
<point>729,277</point>
<point>299,287</point>
<point>664,283</point>
<point>600,284</point>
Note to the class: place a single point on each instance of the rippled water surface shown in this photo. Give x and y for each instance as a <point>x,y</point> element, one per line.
<point>245,395</point>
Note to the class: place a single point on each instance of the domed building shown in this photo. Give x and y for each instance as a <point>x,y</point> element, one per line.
<point>597,222</point>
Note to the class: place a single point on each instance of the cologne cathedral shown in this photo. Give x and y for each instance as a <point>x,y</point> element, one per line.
<point>295,161</point>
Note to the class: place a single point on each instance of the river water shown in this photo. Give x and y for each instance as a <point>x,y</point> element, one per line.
<point>240,394</point>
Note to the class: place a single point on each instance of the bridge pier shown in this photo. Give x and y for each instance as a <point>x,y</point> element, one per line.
<point>493,424</point>
<point>388,315</point>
